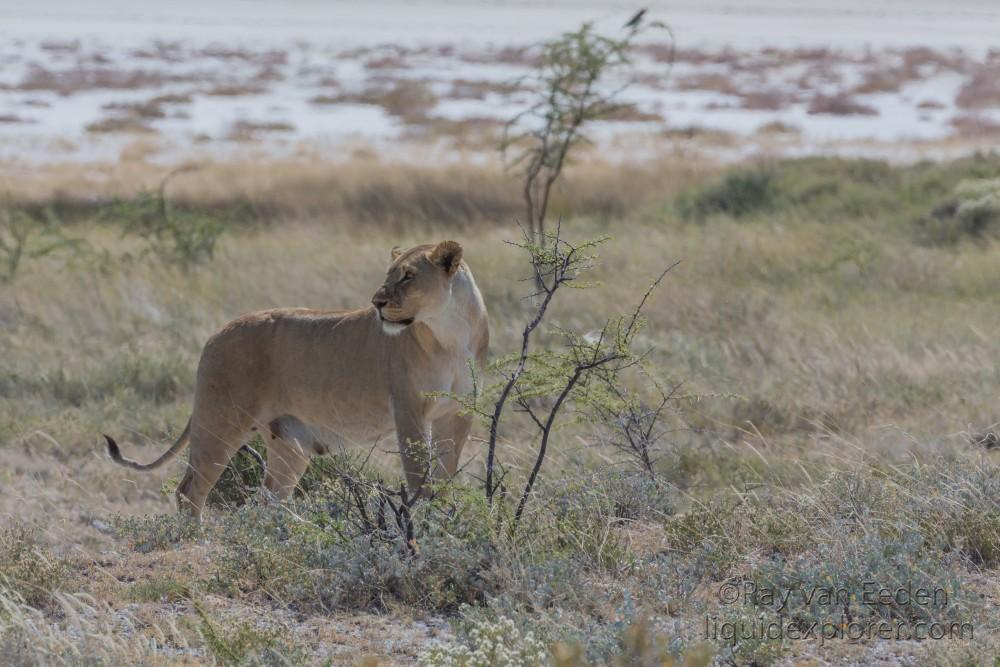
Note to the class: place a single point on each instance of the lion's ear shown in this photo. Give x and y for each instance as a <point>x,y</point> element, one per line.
<point>395,252</point>
<point>447,255</point>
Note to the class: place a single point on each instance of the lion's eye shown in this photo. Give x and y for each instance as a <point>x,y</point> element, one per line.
<point>407,277</point>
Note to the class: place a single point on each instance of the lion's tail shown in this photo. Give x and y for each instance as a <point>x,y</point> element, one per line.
<point>175,449</point>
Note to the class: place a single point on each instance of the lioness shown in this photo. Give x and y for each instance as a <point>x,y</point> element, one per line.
<point>359,374</point>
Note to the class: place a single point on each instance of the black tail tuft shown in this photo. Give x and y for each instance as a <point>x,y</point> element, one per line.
<point>113,451</point>
<point>255,454</point>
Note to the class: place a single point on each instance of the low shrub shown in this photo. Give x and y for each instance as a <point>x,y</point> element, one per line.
<point>27,569</point>
<point>739,193</point>
<point>835,189</point>
<point>488,644</point>
<point>957,509</point>
<point>972,211</point>
<point>841,583</point>
<point>156,532</point>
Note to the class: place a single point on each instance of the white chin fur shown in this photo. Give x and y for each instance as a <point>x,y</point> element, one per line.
<point>392,328</point>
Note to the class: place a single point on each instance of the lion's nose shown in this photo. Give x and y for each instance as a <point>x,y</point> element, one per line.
<point>379,302</point>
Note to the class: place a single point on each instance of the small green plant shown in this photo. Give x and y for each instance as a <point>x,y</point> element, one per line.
<point>542,382</point>
<point>24,236</point>
<point>180,237</point>
<point>571,88</point>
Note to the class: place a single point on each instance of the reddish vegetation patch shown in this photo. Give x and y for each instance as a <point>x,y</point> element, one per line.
<point>693,56</point>
<point>120,124</point>
<point>465,89</point>
<point>270,58</point>
<point>721,137</point>
<point>981,90</point>
<point>475,131</point>
<point>171,98</point>
<point>236,90</point>
<point>661,53</point>
<point>132,116</point>
<point>386,62</point>
<point>840,105</point>
<point>410,100</point>
<point>930,104</point>
<point>632,113</point>
<point>170,52</point>
<point>327,99</point>
<point>69,81</point>
<point>778,127</point>
<point>767,100</point>
<point>719,83</point>
<point>884,81</point>
<point>971,125</point>
<point>508,55</point>
<point>245,130</point>
<point>889,72</point>
<point>137,109</point>
<point>61,47</point>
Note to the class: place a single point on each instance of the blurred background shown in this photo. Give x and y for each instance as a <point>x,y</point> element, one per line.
<point>426,80</point>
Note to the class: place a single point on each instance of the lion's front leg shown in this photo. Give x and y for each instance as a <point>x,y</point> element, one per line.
<point>450,434</point>
<point>413,433</point>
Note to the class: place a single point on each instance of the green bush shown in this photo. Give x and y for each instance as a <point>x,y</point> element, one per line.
<point>739,193</point>
<point>182,236</point>
<point>24,236</point>
<point>972,211</point>
<point>837,189</point>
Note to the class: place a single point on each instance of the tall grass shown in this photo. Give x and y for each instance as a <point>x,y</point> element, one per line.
<point>836,362</point>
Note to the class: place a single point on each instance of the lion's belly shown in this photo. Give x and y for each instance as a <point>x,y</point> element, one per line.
<point>354,419</point>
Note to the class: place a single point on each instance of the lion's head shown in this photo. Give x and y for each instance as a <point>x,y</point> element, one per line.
<point>417,285</point>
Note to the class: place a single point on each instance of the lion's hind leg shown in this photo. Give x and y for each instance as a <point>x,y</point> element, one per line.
<point>213,445</point>
<point>289,450</point>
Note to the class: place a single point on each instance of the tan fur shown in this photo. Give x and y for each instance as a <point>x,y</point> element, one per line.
<point>356,375</point>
